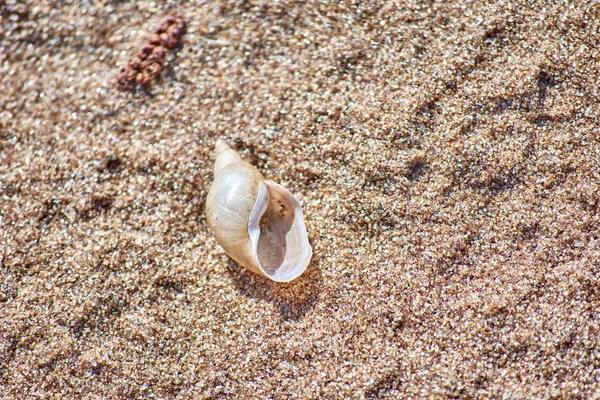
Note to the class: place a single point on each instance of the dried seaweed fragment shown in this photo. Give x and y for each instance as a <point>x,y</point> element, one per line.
<point>147,65</point>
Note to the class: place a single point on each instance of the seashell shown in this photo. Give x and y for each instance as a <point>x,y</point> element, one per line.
<point>256,221</point>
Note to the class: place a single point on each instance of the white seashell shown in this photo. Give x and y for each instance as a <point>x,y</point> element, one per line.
<point>257,222</point>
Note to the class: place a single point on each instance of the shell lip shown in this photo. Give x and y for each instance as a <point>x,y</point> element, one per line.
<point>288,270</point>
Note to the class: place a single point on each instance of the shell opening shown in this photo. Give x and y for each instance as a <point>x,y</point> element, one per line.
<point>278,233</point>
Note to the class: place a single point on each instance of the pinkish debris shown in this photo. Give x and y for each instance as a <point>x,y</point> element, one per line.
<point>146,66</point>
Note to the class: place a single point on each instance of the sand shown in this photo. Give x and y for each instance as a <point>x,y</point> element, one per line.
<point>446,155</point>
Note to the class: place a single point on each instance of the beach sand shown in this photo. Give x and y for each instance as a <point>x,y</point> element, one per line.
<point>446,155</point>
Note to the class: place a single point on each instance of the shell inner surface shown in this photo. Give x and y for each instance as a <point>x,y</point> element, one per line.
<point>274,225</point>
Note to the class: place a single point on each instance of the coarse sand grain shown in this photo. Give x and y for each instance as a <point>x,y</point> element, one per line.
<point>446,155</point>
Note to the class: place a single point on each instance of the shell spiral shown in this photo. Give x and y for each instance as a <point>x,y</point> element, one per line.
<point>256,221</point>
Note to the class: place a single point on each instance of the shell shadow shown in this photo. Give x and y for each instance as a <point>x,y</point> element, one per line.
<point>292,300</point>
